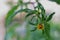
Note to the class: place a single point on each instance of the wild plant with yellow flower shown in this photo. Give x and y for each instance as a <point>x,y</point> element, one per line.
<point>38,18</point>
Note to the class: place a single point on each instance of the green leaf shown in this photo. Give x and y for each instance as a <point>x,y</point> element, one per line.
<point>29,14</point>
<point>33,21</point>
<point>39,6</point>
<point>57,1</point>
<point>50,16</point>
<point>43,17</point>
<point>23,10</point>
<point>10,14</point>
<point>46,31</point>
<point>20,1</point>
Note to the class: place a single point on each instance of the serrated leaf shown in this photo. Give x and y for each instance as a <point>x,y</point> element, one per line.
<point>50,16</point>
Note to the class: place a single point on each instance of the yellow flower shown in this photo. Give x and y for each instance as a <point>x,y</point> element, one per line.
<point>40,26</point>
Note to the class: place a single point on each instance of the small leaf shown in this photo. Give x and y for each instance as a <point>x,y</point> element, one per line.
<point>29,14</point>
<point>43,17</point>
<point>27,10</point>
<point>50,16</point>
<point>41,7</point>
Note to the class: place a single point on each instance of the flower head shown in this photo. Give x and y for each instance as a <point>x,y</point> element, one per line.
<point>40,26</point>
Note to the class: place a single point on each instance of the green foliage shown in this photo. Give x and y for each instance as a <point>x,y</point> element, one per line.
<point>50,16</point>
<point>11,14</point>
<point>57,1</point>
<point>37,18</point>
<point>33,21</point>
<point>30,13</point>
<point>47,31</point>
